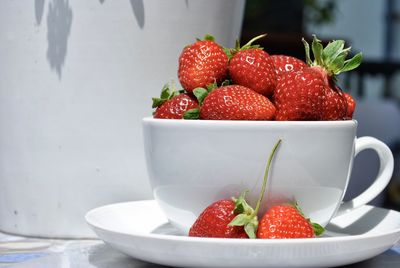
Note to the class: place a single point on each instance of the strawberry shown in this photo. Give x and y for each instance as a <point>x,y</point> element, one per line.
<point>329,62</point>
<point>335,105</point>
<point>231,218</point>
<point>202,63</point>
<point>283,63</point>
<point>299,96</point>
<point>312,93</point>
<point>252,67</point>
<point>172,104</point>
<point>351,105</point>
<point>286,221</point>
<point>236,102</point>
<point>214,221</point>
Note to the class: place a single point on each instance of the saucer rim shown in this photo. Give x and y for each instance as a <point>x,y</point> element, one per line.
<point>232,241</point>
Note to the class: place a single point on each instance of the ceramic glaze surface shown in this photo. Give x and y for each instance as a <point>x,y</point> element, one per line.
<point>361,234</point>
<point>193,163</point>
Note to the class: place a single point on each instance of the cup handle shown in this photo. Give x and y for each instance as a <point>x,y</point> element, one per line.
<point>384,175</point>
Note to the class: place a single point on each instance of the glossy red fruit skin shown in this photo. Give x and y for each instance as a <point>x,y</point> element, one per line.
<point>351,105</point>
<point>299,96</point>
<point>236,102</point>
<point>335,105</point>
<point>214,220</point>
<point>254,69</point>
<point>176,107</point>
<point>284,63</point>
<point>202,63</point>
<point>282,222</point>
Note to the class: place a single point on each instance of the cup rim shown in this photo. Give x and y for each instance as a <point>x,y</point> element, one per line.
<point>233,123</point>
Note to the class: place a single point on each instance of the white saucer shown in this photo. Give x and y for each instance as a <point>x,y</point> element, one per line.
<point>141,230</point>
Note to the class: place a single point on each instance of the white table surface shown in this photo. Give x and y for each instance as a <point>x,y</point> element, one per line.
<point>16,252</point>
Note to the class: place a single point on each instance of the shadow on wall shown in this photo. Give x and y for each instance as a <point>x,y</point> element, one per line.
<point>138,10</point>
<point>39,7</point>
<point>59,21</point>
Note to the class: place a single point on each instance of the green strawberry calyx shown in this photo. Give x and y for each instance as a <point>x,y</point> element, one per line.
<point>247,216</point>
<point>332,58</point>
<point>207,37</point>
<point>167,92</point>
<point>201,93</point>
<point>318,229</point>
<point>230,52</point>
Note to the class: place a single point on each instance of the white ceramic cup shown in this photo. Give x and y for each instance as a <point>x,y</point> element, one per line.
<point>192,163</point>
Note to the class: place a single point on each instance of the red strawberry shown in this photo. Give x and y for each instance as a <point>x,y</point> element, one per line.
<point>285,64</point>
<point>214,222</point>
<point>351,105</point>
<point>311,93</point>
<point>252,67</point>
<point>231,218</point>
<point>335,105</point>
<point>330,62</point>
<point>236,103</point>
<point>286,221</point>
<point>202,63</point>
<point>172,104</point>
<point>299,96</point>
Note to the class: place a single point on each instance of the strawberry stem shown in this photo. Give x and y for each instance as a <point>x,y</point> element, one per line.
<point>246,215</point>
<point>264,185</point>
<point>230,52</point>
<point>249,44</point>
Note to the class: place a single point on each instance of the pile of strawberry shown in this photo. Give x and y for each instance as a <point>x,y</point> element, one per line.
<point>246,83</point>
<point>235,218</point>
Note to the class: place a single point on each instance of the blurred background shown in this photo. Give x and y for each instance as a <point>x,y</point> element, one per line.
<point>368,26</point>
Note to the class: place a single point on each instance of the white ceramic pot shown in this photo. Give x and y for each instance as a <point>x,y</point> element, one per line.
<point>76,78</point>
